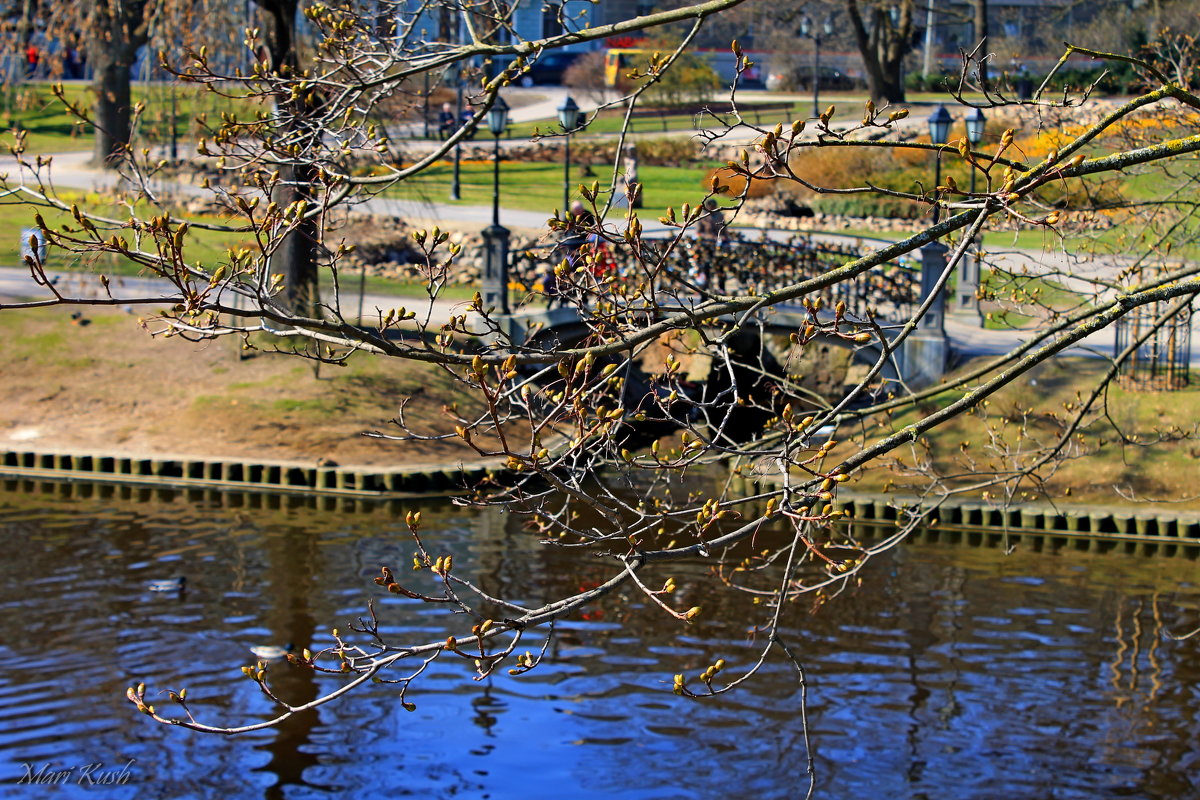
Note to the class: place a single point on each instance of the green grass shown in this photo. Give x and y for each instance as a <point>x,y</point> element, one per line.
<point>202,247</point>
<point>50,128</point>
<point>848,105</point>
<point>611,121</point>
<point>318,406</point>
<point>539,186</point>
<point>38,344</point>
<point>1025,238</point>
<point>1035,405</point>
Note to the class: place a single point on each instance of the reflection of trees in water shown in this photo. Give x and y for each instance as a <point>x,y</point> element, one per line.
<point>1150,685</point>
<point>946,656</point>
<point>289,584</point>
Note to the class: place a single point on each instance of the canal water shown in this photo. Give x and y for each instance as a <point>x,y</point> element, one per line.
<point>952,672</point>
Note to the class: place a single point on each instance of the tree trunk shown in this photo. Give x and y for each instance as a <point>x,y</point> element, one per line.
<point>114,31</point>
<point>25,26</point>
<point>981,37</point>
<point>296,256</point>
<point>887,86</point>
<point>883,44</point>
<point>114,108</point>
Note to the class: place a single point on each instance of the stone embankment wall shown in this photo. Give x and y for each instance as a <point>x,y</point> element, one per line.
<point>245,475</point>
<point>1173,533</point>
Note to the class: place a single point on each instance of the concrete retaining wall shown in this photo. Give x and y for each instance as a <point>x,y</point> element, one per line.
<point>984,523</point>
<point>243,474</point>
<point>236,482</point>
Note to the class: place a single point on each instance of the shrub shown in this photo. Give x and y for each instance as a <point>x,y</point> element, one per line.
<point>848,167</point>
<point>668,151</point>
<point>733,184</point>
<point>663,151</point>
<point>916,81</point>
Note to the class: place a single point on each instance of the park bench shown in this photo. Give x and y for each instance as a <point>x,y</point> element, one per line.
<point>750,111</point>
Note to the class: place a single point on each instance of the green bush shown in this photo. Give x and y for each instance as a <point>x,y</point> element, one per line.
<point>662,151</point>
<point>867,206</point>
<point>934,82</point>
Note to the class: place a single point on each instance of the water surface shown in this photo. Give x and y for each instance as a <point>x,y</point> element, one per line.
<point>952,672</point>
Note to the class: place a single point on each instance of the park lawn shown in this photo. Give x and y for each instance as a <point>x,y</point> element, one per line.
<point>203,247</point>
<point>1022,300</point>
<point>49,128</point>
<point>1025,238</point>
<point>611,121</point>
<point>1144,469</point>
<point>538,186</point>
<point>848,107</point>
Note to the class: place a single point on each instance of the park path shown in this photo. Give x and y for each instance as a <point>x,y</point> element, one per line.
<point>72,170</point>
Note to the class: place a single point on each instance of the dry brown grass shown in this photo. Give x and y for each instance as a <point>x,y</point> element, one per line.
<point>108,386</point>
<point>1154,462</point>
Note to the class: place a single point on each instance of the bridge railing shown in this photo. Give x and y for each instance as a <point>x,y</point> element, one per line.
<point>730,265</point>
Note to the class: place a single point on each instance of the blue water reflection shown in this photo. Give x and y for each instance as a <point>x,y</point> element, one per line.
<point>953,672</point>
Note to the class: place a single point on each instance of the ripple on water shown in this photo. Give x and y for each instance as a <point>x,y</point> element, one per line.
<point>954,672</point>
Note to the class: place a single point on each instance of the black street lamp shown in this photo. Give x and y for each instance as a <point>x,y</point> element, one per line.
<point>497,121</point>
<point>966,299</point>
<point>976,122</point>
<point>933,255</point>
<point>569,117</point>
<point>174,133</point>
<point>495,237</point>
<point>453,77</point>
<point>939,130</point>
<point>809,32</point>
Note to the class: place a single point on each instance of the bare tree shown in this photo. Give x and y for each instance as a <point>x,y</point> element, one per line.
<point>297,254</point>
<point>883,33</point>
<point>597,437</point>
<point>114,31</point>
<point>980,28</point>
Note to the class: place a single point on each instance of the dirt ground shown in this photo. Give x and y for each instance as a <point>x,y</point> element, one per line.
<point>1136,448</point>
<point>101,382</point>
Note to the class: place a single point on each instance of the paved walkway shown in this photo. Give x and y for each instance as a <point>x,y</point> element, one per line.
<point>71,170</point>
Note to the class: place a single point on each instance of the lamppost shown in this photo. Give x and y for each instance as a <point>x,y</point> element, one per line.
<point>939,131</point>
<point>976,122</point>
<point>425,110</point>
<point>568,117</point>
<point>933,255</point>
<point>809,32</point>
<point>174,134</point>
<point>497,121</point>
<point>966,300</point>
<point>454,75</point>
<point>495,237</point>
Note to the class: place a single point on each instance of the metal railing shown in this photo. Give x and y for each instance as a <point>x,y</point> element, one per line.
<point>729,265</point>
